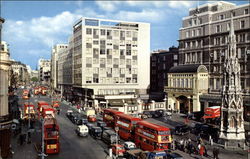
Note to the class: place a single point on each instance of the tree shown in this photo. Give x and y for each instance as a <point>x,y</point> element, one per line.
<point>34,79</point>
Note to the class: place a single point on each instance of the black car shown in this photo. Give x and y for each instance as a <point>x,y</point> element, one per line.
<point>96,132</point>
<point>82,121</point>
<point>196,116</point>
<point>161,112</point>
<point>196,128</point>
<point>174,156</point>
<point>148,114</point>
<point>101,124</point>
<point>182,129</point>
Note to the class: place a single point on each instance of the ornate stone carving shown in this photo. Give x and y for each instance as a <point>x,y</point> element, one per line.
<point>232,102</point>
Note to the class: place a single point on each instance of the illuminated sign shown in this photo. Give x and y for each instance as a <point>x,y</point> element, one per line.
<point>122,123</point>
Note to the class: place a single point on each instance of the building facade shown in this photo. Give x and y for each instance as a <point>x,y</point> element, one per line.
<point>110,58</point>
<point>185,85</point>
<point>56,50</point>
<point>65,63</point>
<point>203,39</point>
<point>20,72</point>
<point>44,71</point>
<point>160,63</point>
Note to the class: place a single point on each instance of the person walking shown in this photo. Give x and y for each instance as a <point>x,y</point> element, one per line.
<point>216,153</point>
<point>201,151</point>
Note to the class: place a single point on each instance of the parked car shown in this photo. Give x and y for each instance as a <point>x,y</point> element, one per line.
<point>82,121</point>
<point>182,130</point>
<point>174,156</point>
<point>82,130</point>
<point>162,113</point>
<point>90,125</point>
<point>110,136</point>
<point>148,114</point>
<point>128,145</point>
<point>118,149</point>
<point>101,124</point>
<point>142,116</point>
<point>96,132</point>
<point>69,113</point>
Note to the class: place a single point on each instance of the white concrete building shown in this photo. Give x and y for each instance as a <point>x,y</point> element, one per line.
<point>44,71</point>
<point>110,58</point>
<point>56,50</point>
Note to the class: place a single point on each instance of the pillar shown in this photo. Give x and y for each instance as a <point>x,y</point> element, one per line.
<point>152,105</point>
<point>177,106</point>
<point>139,106</point>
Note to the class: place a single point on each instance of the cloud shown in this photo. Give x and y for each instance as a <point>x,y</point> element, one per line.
<point>44,29</point>
<point>108,6</point>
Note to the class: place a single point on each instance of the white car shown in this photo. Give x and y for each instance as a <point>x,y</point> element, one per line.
<point>128,145</point>
<point>82,130</point>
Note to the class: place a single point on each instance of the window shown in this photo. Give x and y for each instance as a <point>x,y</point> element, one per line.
<point>103,32</point>
<point>95,42</point>
<point>109,32</point>
<point>175,57</point>
<point>89,60</point>
<point>187,34</point>
<point>88,45</point>
<point>122,61</point>
<point>109,51</point>
<point>190,22</point>
<point>102,51</point>
<point>89,31</point>
<point>246,11</point>
<point>193,32</point>
<point>128,61</point>
<point>116,33</point>
<point>95,60</point>
<point>128,80</point>
<point>116,61</point>
<point>221,17</point>
<point>91,22</point>
<point>122,52</point>
<point>242,24</point>
<point>228,26</point>
<point>128,34</point>
<point>134,52</point>
<point>218,28</point>
<point>95,80</point>
<point>102,61</point>
<point>122,70</point>
<point>88,80</point>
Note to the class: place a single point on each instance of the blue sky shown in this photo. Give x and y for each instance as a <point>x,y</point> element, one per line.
<point>32,27</point>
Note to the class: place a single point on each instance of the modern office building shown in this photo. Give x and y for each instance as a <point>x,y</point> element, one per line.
<point>160,63</point>
<point>111,58</point>
<point>65,63</point>
<point>203,39</point>
<point>56,51</point>
<point>44,71</point>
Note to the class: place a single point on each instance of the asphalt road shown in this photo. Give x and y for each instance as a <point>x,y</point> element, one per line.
<point>71,146</point>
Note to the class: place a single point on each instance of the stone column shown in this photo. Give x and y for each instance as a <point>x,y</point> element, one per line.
<point>139,106</point>
<point>177,106</point>
<point>152,105</point>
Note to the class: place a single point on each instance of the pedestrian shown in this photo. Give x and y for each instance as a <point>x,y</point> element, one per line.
<point>201,150</point>
<point>58,111</point>
<point>216,153</point>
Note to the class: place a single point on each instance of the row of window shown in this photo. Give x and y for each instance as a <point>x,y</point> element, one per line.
<point>223,16</point>
<point>115,33</point>
<point>109,80</point>
<point>114,91</point>
<point>181,83</point>
<point>218,28</point>
<point>109,70</point>
<point>115,52</point>
<point>110,61</point>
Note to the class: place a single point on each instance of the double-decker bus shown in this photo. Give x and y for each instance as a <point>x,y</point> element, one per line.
<point>152,137</point>
<point>110,117</point>
<point>28,111</point>
<point>51,136</point>
<point>48,111</point>
<point>40,105</point>
<point>126,124</point>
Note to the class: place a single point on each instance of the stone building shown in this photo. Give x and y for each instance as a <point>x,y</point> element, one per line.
<point>203,39</point>
<point>186,83</point>
<point>160,63</point>
<point>56,51</point>
<point>20,72</point>
<point>44,70</point>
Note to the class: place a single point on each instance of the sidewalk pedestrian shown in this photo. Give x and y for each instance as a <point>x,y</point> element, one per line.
<point>216,153</point>
<point>201,151</point>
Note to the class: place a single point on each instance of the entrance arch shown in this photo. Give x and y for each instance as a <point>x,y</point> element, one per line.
<point>183,104</point>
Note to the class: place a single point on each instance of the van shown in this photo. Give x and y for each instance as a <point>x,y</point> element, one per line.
<point>82,130</point>
<point>109,136</point>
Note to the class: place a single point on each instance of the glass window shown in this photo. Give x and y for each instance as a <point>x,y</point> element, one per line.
<point>91,22</point>
<point>242,24</point>
<point>88,31</point>
<point>246,11</point>
<point>103,32</point>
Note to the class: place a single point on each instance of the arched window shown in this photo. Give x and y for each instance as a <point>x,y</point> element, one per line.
<point>233,122</point>
<point>240,121</point>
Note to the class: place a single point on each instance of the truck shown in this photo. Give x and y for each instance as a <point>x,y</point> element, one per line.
<point>212,114</point>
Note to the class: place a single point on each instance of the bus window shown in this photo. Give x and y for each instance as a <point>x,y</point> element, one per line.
<point>50,142</point>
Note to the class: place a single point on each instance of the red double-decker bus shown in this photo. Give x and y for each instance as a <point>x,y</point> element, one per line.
<point>152,137</point>
<point>51,136</point>
<point>126,124</point>
<point>110,117</point>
